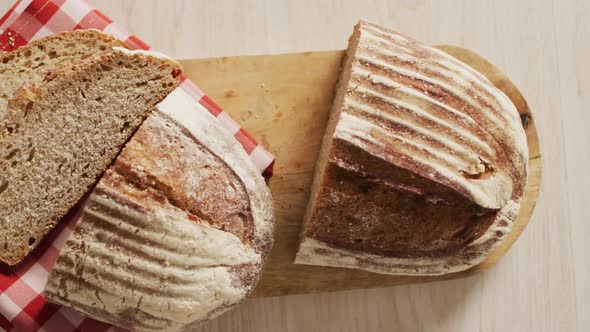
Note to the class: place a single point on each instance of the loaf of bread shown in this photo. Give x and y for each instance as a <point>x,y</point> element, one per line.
<point>176,231</point>
<point>422,167</point>
<point>59,133</point>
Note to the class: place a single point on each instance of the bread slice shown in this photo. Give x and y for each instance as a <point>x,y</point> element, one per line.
<point>175,232</point>
<point>61,134</point>
<point>422,167</point>
<point>30,63</point>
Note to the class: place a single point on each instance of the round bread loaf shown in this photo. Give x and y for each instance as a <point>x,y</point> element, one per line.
<point>423,165</point>
<point>176,231</point>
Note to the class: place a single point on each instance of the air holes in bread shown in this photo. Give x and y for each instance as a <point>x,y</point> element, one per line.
<point>28,108</point>
<point>125,126</point>
<point>31,154</point>
<point>39,65</point>
<point>3,186</point>
<point>50,76</point>
<point>12,153</point>
<point>105,67</point>
<point>32,241</point>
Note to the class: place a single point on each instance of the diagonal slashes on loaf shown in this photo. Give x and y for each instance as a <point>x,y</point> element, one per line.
<point>431,113</point>
<point>178,228</point>
<point>422,167</point>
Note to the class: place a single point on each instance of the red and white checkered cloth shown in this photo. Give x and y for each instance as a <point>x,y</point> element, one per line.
<point>22,307</point>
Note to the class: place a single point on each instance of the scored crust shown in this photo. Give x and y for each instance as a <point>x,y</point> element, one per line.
<point>423,165</point>
<point>183,213</point>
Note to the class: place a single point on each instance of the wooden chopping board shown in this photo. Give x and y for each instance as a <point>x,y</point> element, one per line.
<point>283,102</point>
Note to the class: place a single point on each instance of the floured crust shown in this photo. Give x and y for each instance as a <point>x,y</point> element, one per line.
<point>180,107</point>
<point>447,119</point>
<point>156,271</point>
<point>182,213</point>
<point>423,165</point>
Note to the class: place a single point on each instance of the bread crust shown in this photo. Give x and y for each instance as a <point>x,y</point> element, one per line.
<point>197,213</point>
<point>423,166</point>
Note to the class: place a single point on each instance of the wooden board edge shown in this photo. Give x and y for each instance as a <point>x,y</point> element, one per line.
<point>533,186</point>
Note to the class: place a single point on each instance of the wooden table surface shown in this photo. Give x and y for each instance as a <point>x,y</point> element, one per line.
<point>543,283</point>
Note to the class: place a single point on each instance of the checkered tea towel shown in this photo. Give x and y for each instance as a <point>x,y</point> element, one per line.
<point>22,307</point>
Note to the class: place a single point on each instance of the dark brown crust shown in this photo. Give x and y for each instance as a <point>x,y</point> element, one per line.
<point>389,211</point>
<point>376,197</point>
<point>158,166</point>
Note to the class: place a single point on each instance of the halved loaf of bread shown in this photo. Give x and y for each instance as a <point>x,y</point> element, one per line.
<point>61,134</point>
<point>30,63</point>
<point>423,165</point>
<point>176,231</point>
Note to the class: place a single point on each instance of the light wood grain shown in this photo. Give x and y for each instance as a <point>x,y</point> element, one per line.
<point>543,283</point>
<point>291,95</point>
